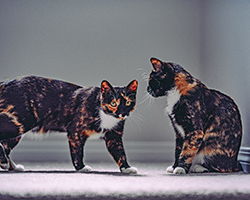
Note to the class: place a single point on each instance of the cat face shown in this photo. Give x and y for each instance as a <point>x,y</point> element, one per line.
<point>161,79</point>
<point>118,102</point>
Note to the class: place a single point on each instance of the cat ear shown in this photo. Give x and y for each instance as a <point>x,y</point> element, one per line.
<point>157,64</point>
<point>132,86</point>
<point>106,87</point>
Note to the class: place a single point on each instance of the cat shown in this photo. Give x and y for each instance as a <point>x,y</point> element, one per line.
<point>42,105</point>
<point>207,122</point>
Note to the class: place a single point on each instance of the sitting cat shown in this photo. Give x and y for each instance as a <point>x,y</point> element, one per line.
<point>207,123</point>
<point>51,105</point>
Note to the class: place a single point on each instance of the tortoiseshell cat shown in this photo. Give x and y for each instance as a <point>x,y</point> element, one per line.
<point>45,105</point>
<point>207,123</point>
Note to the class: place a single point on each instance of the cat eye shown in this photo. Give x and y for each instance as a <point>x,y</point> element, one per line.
<point>113,104</point>
<point>128,103</point>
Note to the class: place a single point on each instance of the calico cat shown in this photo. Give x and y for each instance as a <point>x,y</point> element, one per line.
<point>43,105</point>
<point>207,123</point>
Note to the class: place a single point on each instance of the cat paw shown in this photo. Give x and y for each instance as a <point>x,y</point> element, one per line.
<point>198,169</point>
<point>19,168</point>
<point>86,168</point>
<point>130,170</point>
<point>5,165</point>
<point>14,167</point>
<point>170,169</point>
<point>179,170</point>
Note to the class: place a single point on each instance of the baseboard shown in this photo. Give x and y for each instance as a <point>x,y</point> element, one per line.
<point>244,158</point>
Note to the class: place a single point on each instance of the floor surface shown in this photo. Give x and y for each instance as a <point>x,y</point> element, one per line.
<point>60,181</point>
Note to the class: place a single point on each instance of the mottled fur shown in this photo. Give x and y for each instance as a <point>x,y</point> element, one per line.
<point>43,105</point>
<point>207,123</point>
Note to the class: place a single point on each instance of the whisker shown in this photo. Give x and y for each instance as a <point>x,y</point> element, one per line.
<point>137,119</point>
<point>142,69</point>
<point>144,79</point>
<point>145,98</point>
<point>149,98</point>
<point>130,122</point>
<point>144,75</point>
<point>151,101</point>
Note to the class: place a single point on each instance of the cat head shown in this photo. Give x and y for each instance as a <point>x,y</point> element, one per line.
<point>118,102</point>
<point>161,79</point>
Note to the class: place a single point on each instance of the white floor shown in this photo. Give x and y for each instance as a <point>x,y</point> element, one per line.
<point>59,180</point>
<point>49,174</point>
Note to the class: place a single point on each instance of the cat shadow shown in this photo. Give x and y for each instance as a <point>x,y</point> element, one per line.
<point>207,174</point>
<point>110,173</point>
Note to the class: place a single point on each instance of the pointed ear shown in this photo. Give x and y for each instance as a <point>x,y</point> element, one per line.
<point>157,64</point>
<point>106,87</point>
<point>132,86</point>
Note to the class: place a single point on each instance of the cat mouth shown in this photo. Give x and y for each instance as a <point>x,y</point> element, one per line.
<point>121,117</point>
<point>150,91</point>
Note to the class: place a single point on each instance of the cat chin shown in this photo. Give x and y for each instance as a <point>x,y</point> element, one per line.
<point>130,170</point>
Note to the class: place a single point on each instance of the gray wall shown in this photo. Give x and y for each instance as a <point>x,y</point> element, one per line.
<point>225,52</point>
<point>87,41</point>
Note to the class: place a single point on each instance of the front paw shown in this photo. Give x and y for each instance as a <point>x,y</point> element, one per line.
<point>130,170</point>
<point>5,165</point>
<point>86,168</point>
<point>179,170</point>
<point>170,169</point>
<point>15,167</point>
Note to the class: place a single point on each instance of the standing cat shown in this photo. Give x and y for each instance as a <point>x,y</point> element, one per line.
<point>51,105</point>
<point>207,123</point>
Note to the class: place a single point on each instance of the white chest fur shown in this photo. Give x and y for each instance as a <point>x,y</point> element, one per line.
<point>173,97</point>
<point>108,121</point>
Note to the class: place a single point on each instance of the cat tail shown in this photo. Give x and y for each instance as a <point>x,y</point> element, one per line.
<point>238,167</point>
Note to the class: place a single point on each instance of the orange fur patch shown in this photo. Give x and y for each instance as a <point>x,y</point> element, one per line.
<point>190,148</point>
<point>133,86</point>
<point>89,132</point>
<point>156,63</point>
<point>11,115</point>
<point>182,85</point>
<point>209,135</point>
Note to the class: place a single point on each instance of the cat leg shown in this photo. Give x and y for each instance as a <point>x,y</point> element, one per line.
<point>8,146</point>
<point>178,148</point>
<point>76,145</point>
<point>191,145</point>
<point>116,149</point>
<point>4,163</point>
